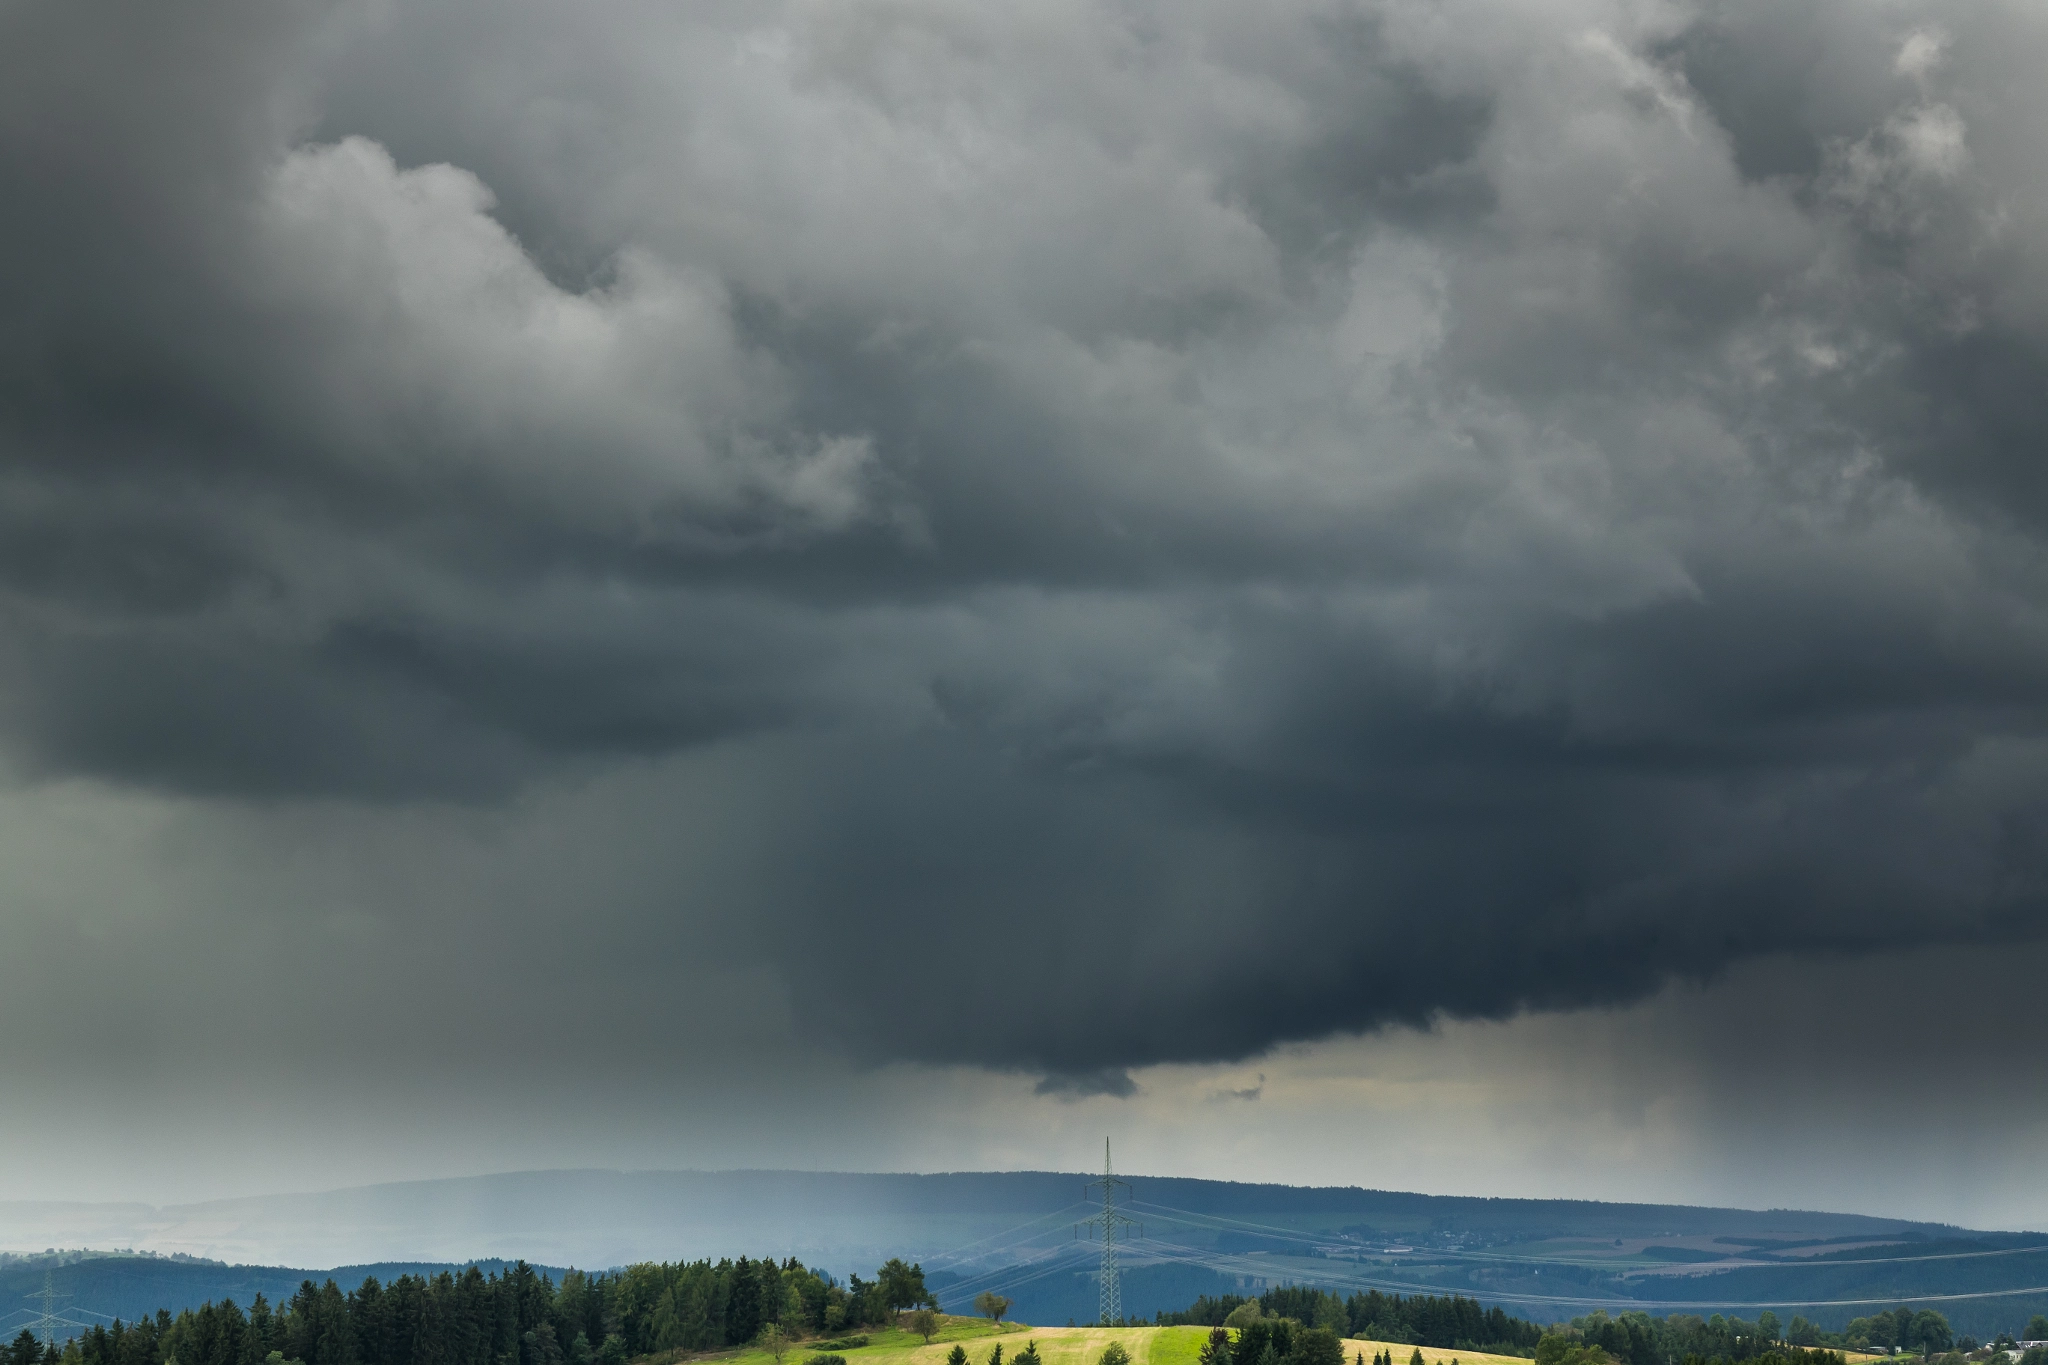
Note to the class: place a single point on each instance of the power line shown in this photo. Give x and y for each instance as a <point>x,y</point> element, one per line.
<point>1712,1267</point>
<point>1017,1274</point>
<point>998,1276</point>
<point>1244,1266</point>
<point>1001,1276</point>
<point>1056,1266</point>
<point>1446,1253</point>
<point>956,1252</point>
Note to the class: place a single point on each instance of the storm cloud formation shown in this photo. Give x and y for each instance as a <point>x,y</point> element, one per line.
<point>1265,521</point>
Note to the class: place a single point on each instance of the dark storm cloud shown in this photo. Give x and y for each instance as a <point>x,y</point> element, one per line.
<point>1261,523</point>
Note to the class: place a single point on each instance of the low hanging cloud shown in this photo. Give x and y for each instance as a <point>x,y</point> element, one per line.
<point>1255,524</point>
<point>1249,1094</point>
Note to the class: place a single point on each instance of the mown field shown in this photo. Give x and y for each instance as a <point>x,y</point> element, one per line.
<point>1068,1346</point>
<point>1062,1346</point>
<point>1056,1345</point>
<point>1431,1355</point>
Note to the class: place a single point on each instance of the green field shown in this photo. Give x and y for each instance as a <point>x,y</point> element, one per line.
<point>1431,1355</point>
<point>1058,1346</point>
<point>1064,1346</point>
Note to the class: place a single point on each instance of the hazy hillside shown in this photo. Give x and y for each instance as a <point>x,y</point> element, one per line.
<point>601,1218</point>
<point>1015,1232</point>
<point>130,1286</point>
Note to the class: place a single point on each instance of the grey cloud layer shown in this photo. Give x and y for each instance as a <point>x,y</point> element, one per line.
<point>1270,521</point>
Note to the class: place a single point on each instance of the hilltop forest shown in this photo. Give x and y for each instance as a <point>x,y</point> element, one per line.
<point>518,1318</point>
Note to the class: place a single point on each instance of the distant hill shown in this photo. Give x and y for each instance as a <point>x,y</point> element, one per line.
<point>1014,1231</point>
<point>603,1218</point>
<point>128,1287</point>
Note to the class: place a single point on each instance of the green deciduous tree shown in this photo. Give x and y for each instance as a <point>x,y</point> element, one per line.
<point>1929,1332</point>
<point>901,1286</point>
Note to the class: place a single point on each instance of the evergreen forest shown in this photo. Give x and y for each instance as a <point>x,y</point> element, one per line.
<point>518,1318</point>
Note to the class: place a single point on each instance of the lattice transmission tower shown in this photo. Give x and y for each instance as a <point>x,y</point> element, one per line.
<point>48,1321</point>
<point>1109,1220</point>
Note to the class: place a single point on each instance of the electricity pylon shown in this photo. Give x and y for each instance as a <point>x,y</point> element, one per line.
<point>1109,1220</point>
<point>47,1322</point>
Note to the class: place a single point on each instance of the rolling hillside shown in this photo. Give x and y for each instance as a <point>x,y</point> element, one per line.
<point>1015,1232</point>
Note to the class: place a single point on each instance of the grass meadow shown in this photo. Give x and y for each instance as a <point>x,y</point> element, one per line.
<point>1061,1346</point>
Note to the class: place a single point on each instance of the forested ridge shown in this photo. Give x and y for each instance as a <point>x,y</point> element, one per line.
<point>518,1318</point>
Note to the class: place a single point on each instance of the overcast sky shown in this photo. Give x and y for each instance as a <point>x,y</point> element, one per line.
<point>897,584</point>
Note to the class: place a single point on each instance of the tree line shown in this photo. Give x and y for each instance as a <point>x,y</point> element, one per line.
<point>1451,1322</point>
<point>518,1318</point>
<point>1639,1339</point>
<point>1457,1323</point>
